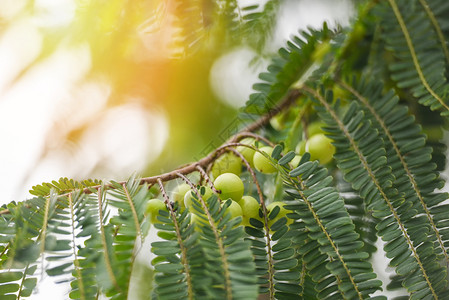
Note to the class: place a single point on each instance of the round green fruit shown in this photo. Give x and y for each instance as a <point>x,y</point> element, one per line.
<point>179,192</point>
<point>188,197</point>
<point>227,163</point>
<point>295,161</point>
<point>247,153</point>
<point>282,212</point>
<point>235,210</point>
<point>198,220</point>
<point>263,164</point>
<point>315,128</point>
<point>277,122</point>
<point>301,147</point>
<point>230,185</point>
<point>320,147</point>
<point>152,209</point>
<point>250,209</point>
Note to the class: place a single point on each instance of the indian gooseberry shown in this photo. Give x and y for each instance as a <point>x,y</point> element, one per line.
<point>263,164</point>
<point>301,147</point>
<point>282,212</point>
<point>152,209</point>
<point>235,210</point>
<point>250,209</point>
<point>320,147</point>
<point>230,186</point>
<point>247,152</point>
<point>295,161</point>
<point>179,193</point>
<point>198,219</point>
<point>205,192</point>
<point>277,122</point>
<point>315,128</point>
<point>227,163</point>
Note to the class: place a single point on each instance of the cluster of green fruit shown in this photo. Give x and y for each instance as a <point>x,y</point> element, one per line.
<point>254,155</point>
<point>231,163</point>
<point>226,171</point>
<point>229,186</point>
<point>316,143</point>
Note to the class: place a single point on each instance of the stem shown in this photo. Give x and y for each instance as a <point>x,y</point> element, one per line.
<point>218,239</point>
<point>76,261</point>
<point>207,178</point>
<point>180,241</point>
<point>104,243</point>
<point>292,95</point>
<point>265,213</point>
<point>134,212</point>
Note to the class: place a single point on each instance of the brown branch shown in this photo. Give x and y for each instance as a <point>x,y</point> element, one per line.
<point>290,98</point>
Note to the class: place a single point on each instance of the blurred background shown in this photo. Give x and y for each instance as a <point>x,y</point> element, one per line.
<point>105,88</point>
<point>101,89</point>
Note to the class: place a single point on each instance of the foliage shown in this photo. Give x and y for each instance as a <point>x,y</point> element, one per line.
<point>379,89</point>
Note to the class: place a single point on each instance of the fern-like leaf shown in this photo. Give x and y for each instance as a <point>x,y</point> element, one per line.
<point>62,186</point>
<point>129,198</point>
<point>362,158</point>
<point>331,232</point>
<point>278,268</point>
<point>227,255</point>
<point>408,155</point>
<point>420,63</point>
<point>259,23</point>
<point>177,258</point>
<point>293,63</point>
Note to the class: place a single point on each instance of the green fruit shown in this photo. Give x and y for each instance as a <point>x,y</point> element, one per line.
<point>154,190</point>
<point>179,192</point>
<point>295,161</point>
<point>152,209</point>
<point>301,147</point>
<point>227,163</point>
<point>195,219</point>
<point>247,153</point>
<point>320,147</point>
<point>235,210</point>
<point>206,193</point>
<point>282,212</point>
<point>230,185</point>
<point>277,122</point>
<point>263,164</point>
<point>315,128</point>
<point>250,209</point>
